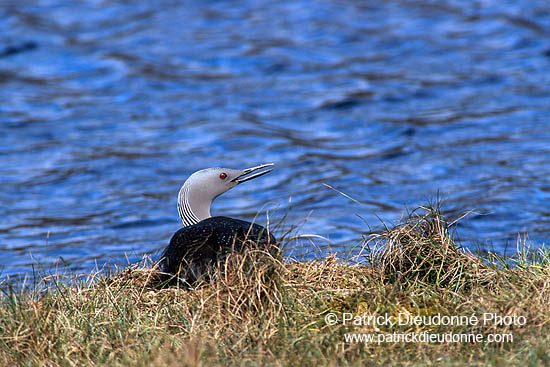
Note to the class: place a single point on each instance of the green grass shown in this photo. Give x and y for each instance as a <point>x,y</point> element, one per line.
<point>259,310</point>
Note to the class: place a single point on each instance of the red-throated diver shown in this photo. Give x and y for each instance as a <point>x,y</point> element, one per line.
<point>204,240</point>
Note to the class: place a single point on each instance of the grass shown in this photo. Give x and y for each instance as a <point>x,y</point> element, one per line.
<point>259,310</point>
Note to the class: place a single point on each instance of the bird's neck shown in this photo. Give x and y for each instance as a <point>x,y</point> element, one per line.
<point>192,205</point>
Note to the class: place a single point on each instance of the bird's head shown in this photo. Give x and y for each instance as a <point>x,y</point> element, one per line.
<point>202,187</point>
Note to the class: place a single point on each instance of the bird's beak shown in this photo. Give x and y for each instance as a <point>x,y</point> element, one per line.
<point>241,178</point>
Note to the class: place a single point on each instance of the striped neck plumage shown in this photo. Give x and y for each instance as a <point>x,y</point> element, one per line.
<point>191,210</point>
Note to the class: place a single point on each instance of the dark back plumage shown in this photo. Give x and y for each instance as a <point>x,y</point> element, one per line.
<point>193,250</point>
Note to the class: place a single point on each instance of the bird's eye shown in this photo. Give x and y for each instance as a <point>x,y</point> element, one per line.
<point>223,175</point>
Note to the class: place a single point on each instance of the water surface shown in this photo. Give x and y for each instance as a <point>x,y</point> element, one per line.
<point>108,106</point>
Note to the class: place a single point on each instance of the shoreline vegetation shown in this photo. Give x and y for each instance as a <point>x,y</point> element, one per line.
<point>421,300</point>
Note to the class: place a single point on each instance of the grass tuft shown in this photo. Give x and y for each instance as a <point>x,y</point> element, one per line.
<point>422,250</point>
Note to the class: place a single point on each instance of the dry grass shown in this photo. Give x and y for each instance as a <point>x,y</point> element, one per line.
<point>422,250</point>
<point>258,310</point>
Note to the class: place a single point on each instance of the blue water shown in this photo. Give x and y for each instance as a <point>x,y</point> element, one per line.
<point>107,107</point>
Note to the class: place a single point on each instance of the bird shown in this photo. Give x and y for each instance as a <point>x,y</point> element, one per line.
<point>205,240</point>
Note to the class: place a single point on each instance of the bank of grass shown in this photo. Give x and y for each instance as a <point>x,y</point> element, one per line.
<point>260,310</point>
